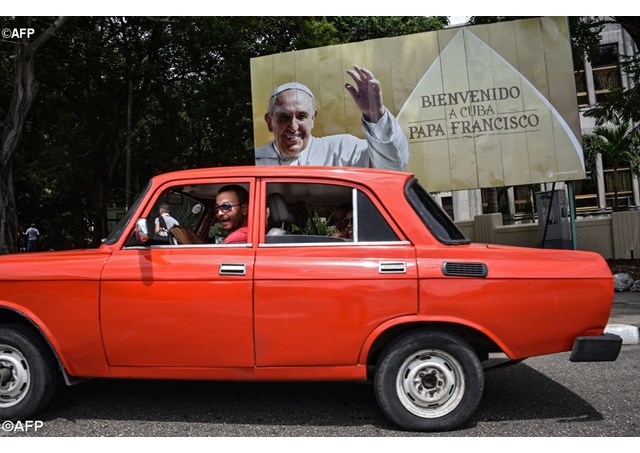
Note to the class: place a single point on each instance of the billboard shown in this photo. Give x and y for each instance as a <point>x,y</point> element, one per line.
<point>482,106</point>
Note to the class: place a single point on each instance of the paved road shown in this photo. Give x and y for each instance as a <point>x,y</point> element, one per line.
<point>545,396</point>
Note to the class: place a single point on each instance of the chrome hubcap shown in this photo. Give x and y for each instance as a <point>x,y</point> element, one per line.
<point>430,383</point>
<point>14,388</point>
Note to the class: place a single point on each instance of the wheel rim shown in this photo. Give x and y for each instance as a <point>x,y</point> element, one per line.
<point>430,383</point>
<point>13,390</point>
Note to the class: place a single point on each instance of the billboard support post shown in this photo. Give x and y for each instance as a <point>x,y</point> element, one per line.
<point>572,215</point>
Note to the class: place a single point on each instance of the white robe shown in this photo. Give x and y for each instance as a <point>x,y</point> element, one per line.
<point>385,146</point>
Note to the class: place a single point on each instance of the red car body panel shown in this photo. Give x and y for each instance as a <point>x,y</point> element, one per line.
<point>59,293</point>
<point>160,309</point>
<point>297,312</point>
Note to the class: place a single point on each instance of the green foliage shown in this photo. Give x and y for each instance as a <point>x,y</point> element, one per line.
<point>619,146</point>
<point>318,223</point>
<point>585,38</point>
<point>360,28</point>
<point>592,145</point>
<point>483,20</point>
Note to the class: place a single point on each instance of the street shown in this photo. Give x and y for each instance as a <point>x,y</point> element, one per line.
<point>545,396</point>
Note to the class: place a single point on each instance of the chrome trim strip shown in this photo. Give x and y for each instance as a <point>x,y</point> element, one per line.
<point>187,246</point>
<point>333,244</point>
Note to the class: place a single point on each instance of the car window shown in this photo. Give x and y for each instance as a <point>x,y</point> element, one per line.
<point>187,211</point>
<point>303,213</point>
<point>372,226</point>
<point>189,215</point>
<point>433,216</point>
<point>117,231</point>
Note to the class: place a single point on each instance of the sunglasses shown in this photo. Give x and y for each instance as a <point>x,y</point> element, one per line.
<point>226,206</point>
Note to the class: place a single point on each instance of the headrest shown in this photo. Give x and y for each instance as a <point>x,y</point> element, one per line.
<point>278,210</point>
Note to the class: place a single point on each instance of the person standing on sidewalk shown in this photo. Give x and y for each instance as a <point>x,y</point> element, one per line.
<point>32,234</point>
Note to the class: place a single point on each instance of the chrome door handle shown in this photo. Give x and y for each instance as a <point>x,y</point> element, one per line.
<point>396,267</point>
<point>232,269</point>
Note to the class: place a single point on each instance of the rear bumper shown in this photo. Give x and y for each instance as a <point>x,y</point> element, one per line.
<point>604,348</point>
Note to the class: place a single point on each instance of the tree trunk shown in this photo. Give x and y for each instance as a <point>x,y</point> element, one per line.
<point>25,89</point>
<point>24,92</point>
<point>8,216</point>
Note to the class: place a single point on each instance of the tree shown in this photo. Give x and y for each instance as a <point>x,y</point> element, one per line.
<point>24,91</point>
<point>619,146</point>
<point>360,28</point>
<point>183,82</point>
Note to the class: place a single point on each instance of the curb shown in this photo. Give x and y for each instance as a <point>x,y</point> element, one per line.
<point>629,334</point>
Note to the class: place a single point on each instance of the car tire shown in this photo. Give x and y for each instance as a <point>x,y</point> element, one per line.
<point>429,381</point>
<point>33,377</point>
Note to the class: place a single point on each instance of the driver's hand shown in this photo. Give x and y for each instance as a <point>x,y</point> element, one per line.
<point>185,235</point>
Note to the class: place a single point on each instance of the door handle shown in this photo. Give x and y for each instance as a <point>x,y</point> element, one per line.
<point>233,269</point>
<point>396,267</point>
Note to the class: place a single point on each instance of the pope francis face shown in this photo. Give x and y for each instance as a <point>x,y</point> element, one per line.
<point>291,121</point>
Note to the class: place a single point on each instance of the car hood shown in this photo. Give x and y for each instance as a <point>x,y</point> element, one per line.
<point>67,265</point>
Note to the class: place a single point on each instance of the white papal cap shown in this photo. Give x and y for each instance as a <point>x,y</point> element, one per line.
<point>290,86</point>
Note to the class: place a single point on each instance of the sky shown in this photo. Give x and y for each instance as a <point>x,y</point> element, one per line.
<point>458,20</point>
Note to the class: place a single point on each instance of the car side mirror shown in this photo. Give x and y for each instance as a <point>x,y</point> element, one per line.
<point>142,230</point>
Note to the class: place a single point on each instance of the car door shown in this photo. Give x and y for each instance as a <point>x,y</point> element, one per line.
<point>317,298</point>
<point>181,305</point>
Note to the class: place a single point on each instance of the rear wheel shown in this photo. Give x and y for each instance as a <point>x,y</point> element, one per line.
<point>429,381</point>
<point>28,378</point>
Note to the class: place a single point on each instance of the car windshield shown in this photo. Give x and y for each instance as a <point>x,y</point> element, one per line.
<point>115,234</point>
<point>433,216</point>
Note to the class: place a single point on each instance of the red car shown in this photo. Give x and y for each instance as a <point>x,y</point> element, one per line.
<point>342,274</point>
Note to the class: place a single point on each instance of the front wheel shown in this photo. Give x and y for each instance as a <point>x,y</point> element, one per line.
<point>28,378</point>
<point>429,381</point>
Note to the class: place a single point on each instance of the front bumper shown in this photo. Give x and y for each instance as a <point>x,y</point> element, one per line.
<point>604,348</point>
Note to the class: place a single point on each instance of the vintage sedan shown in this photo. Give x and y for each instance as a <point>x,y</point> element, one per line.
<point>390,292</point>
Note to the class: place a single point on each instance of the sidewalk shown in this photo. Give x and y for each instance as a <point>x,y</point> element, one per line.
<point>625,317</point>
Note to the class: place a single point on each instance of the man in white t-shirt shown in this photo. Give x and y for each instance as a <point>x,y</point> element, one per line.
<point>164,221</point>
<point>32,234</point>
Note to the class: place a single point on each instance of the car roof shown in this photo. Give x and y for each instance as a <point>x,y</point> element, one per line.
<point>363,175</point>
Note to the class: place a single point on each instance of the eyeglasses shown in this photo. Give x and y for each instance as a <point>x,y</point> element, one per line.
<point>226,206</point>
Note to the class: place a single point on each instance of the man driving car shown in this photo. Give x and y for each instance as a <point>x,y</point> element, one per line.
<point>231,210</point>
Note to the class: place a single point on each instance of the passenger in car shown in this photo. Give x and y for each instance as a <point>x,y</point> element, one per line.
<point>343,221</point>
